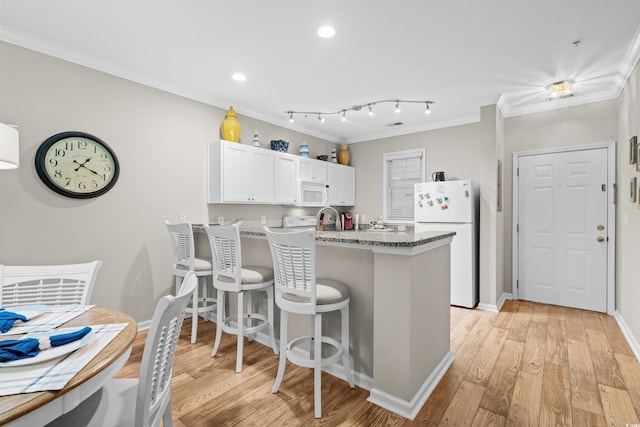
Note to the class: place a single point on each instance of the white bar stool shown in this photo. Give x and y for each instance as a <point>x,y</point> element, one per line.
<point>298,290</point>
<point>229,275</point>
<point>184,261</point>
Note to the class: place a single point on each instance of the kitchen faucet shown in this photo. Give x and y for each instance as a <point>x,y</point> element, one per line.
<point>338,225</point>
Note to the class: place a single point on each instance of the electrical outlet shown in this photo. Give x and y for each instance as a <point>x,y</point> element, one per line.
<point>182,217</point>
<point>221,220</point>
<point>263,220</point>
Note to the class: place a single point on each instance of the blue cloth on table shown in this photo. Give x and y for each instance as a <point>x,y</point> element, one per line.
<point>8,318</point>
<point>30,347</point>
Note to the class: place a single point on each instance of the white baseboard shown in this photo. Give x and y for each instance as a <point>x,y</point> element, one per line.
<point>410,409</point>
<point>496,308</point>
<point>633,343</point>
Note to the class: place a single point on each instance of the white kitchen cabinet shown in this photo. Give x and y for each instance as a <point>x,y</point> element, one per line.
<point>285,179</point>
<point>312,170</point>
<point>342,185</point>
<point>240,173</point>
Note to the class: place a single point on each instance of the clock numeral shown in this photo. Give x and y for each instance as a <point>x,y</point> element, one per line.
<point>94,184</point>
<point>59,152</point>
<point>68,145</point>
<point>67,181</point>
<point>57,173</point>
<point>103,177</point>
<point>82,186</point>
<point>53,162</point>
<point>82,145</point>
<point>107,168</point>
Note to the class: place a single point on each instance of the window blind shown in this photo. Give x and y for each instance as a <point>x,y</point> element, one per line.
<point>402,170</point>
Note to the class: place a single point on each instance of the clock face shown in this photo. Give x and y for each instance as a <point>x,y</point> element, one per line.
<point>76,164</point>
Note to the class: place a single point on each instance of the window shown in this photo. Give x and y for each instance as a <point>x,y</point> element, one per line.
<point>402,169</point>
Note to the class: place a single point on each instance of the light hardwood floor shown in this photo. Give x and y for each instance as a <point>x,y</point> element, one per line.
<point>529,365</point>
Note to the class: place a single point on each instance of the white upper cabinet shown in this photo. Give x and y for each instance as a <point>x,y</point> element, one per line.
<point>286,184</point>
<point>342,185</point>
<point>312,170</point>
<point>240,173</point>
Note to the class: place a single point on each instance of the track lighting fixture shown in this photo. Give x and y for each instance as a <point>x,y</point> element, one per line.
<point>342,113</point>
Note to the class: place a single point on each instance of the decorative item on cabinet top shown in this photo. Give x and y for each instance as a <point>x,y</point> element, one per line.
<point>304,149</point>
<point>344,157</point>
<point>279,145</point>
<point>231,127</point>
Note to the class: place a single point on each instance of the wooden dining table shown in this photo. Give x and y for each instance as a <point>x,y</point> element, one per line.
<point>39,408</point>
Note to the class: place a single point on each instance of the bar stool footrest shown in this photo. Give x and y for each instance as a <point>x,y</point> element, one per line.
<point>307,362</point>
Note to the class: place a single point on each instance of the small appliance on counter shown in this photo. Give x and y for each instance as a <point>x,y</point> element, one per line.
<point>347,221</point>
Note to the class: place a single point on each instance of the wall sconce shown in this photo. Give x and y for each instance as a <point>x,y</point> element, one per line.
<point>560,90</point>
<point>9,147</point>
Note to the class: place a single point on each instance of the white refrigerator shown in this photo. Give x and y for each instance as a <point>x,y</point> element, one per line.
<point>454,206</point>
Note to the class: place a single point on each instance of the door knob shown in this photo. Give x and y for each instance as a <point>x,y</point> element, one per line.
<point>600,239</point>
<point>600,227</point>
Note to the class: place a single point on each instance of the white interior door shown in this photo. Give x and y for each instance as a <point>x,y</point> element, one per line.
<point>562,210</point>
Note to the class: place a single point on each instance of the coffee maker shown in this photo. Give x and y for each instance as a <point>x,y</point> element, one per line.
<point>348,221</point>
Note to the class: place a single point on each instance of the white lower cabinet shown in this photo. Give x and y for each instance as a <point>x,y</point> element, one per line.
<point>342,185</point>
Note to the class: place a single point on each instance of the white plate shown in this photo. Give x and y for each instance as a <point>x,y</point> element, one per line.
<point>53,352</point>
<point>28,311</point>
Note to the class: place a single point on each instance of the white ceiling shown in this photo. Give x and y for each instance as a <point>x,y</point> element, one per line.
<point>461,54</point>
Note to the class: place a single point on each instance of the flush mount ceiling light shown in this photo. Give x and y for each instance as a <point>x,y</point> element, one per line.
<point>560,90</point>
<point>343,112</point>
<point>239,77</point>
<point>326,31</point>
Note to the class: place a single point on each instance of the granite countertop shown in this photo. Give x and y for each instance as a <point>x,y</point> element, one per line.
<point>391,238</point>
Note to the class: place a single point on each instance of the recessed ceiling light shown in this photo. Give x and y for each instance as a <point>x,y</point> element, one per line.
<point>326,31</point>
<point>239,77</point>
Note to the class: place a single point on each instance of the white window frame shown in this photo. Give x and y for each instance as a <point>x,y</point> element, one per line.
<point>400,156</point>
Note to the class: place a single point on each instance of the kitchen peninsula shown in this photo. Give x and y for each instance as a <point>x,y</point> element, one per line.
<point>399,311</point>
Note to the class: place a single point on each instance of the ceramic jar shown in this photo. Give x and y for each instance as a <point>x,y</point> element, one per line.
<point>256,139</point>
<point>343,155</point>
<point>304,150</point>
<point>231,126</point>
<point>334,157</point>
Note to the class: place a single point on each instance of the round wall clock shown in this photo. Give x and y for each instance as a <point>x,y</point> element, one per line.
<point>77,164</point>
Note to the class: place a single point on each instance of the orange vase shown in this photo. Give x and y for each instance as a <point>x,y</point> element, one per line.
<point>343,155</point>
<point>231,126</point>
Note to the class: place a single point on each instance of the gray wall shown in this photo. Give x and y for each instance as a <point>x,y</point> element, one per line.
<point>160,140</point>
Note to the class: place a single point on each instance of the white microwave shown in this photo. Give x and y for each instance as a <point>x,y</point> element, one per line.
<point>312,193</point>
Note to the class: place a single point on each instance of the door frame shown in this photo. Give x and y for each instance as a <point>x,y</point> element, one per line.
<point>611,215</point>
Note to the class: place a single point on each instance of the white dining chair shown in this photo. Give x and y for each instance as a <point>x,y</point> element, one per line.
<point>185,260</point>
<point>143,401</point>
<point>230,276</point>
<point>299,291</point>
<point>64,284</point>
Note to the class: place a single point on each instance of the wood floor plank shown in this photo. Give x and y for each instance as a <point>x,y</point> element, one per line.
<point>555,407</point>
<point>499,388</point>
<point>604,361</point>
<point>574,325</point>
<point>464,405</point>
<point>540,313</point>
<point>556,342</point>
<point>584,390</point>
<point>520,323</point>
<point>630,369</point>
<point>618,409</point>
<point>484,361</point>
<point>525,402</point>
<point>486,418</point>
<point>534,348</point>
<point>586,418</point>
<point>465,325</point>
